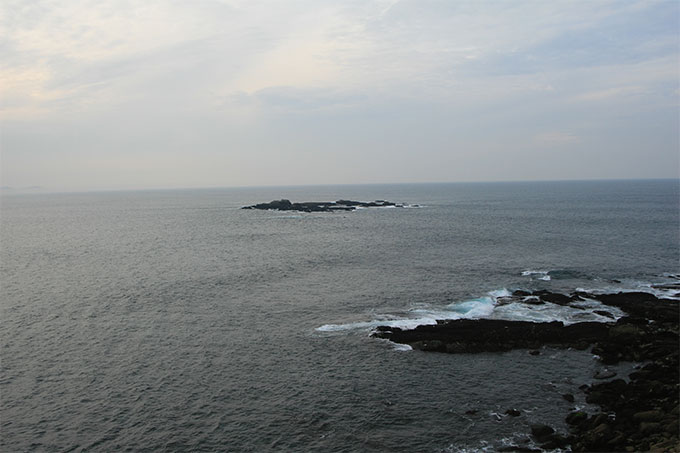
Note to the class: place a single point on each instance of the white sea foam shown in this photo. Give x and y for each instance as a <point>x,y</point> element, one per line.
<point>408,323</point>
<point>580,312</point>
<point>667,289</point>
<point>482,307</point>
<point>662,291</point>
<point>539,275</point>
<point>402,347</point>
<point>503,292</point>
<point>487,307</point>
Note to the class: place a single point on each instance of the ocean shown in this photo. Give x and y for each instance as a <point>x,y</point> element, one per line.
<point>173,320</point>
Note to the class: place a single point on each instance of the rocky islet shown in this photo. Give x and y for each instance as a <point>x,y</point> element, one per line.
<point>323,206</point>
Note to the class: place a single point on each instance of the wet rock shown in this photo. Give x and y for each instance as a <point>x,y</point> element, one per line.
<point>598,437</point>
<point>605,374</point>
<point>568,397</point>
<point>650,427</point>
<point>492,335</point>
<point>576,418</point>
<point>609,393</point>
<point>672,427</point>
<point>554,298</point>
<point>665,445</point>
<point>648,416</point>
<point>513,412</point>
<point>606,314</point>
<point>643,305</point>
<point>541,433</point>
<point>626,331</point>
<point>555,441</point>
<point>516,448</point>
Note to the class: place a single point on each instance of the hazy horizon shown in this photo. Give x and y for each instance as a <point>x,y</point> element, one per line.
<point>47,190</point>
<point>96,95</point>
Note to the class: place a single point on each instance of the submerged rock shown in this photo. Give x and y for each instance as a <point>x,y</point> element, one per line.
<point>605,374</point>
<point>541,433</point>
<point>568,397</point>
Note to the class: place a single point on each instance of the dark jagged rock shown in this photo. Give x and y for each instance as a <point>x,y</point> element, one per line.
<point>555,298</point>
<point>637,415</point>
<point>519,449</point>
<point>541,432</point>
<point>492,335</point>
<point>605,374</point>
<point>604,313</point>
<point>643,305</point>
<point>322,206</point>
<point>576,418</point>
<point>555,441</point>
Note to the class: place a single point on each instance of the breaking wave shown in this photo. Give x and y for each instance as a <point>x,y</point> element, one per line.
<point>499,304</point>
<point>539,275</point>
<point>503,305</point>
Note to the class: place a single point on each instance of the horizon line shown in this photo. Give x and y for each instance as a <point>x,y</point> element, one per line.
<point>41,190</point>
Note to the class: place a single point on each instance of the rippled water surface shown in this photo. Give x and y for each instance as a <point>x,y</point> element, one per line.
<point>173,320</point>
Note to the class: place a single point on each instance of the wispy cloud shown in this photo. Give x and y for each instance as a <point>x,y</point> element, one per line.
<point>612,93</point>
<point>468,73</point>
<point>556,138</point>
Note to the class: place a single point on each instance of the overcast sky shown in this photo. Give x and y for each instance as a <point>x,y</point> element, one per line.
<point>116,94</point>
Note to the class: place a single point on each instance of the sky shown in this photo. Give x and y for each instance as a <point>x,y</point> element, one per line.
<point>124,94</point>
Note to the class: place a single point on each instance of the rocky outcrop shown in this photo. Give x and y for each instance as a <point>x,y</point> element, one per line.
<point>322,206</point>
<point>493,335</point>
<point>638,414</point>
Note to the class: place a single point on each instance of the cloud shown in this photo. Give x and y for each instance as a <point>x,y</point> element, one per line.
<point>611,93</point>
<point>556,138</point>
<point>378,77</point>
<point>427,48</point>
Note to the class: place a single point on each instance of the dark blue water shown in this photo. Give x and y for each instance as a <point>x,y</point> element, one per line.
<point>174,321</point>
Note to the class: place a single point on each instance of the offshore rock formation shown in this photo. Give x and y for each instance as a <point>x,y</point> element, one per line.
<point>640,414</point>
<point>323,206</point>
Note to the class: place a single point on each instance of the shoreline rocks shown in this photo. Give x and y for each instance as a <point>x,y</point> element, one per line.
<point>322,206</point>
<point>637,414</point>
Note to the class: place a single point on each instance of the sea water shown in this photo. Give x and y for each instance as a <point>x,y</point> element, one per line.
<point>174,320</point>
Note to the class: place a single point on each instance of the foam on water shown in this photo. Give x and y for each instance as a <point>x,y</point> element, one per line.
<point>427,315</point>
<point>407,323</point>
<point>487,307</point>
<point>401,347</point>
<point>540,275</point>
<point>667,287</point>
<point>549,312</point>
